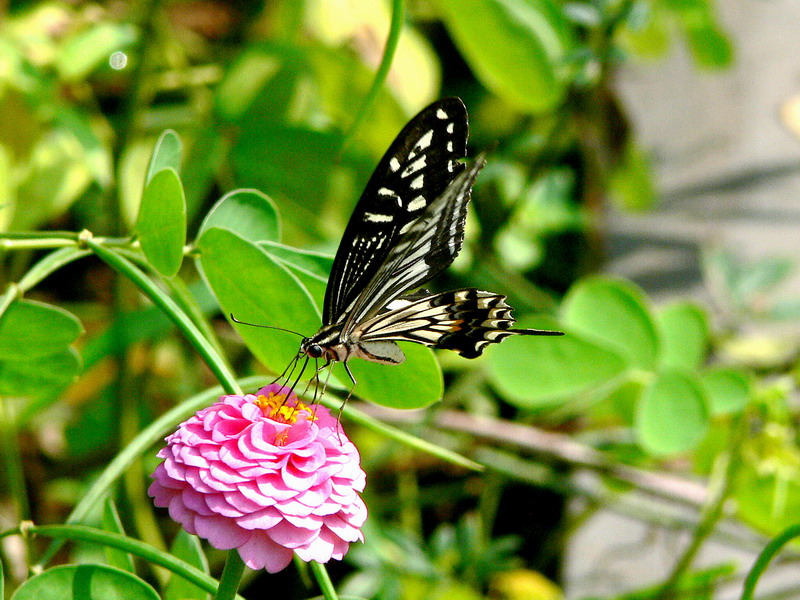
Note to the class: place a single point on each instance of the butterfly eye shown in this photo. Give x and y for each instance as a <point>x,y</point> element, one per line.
<point>314,351</point>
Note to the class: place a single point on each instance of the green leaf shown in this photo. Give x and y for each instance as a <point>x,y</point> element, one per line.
<point>534,372</point>
<point>248,213</point>
<point>162,222</point>
<point>112,522</point>
<point>311,268</point>
<point>315,263</point>
<point>30,329</point>
<point>166,154</point>
<point>34,376</point>
<point>257,289</point>
<point>673,414</point>
<point>86,50</point>
<point>513,46</point>
<point>85,582</point>
<point>768,499</point>
<point>620,403</point>
<point>683,328</point>
<point>710,47</point>
<point>187,548</point>
<point>615,314</point>
<point>415,383</point>
<point>728,390</point>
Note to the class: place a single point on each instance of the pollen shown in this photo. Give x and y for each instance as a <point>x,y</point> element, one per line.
<point>276,408</point>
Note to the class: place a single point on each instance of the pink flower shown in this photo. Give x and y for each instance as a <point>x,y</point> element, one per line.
<point>266,475</point>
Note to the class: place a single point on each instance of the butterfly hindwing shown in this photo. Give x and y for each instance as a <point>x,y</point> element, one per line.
<point>465,321</point>
<point>417,168</point>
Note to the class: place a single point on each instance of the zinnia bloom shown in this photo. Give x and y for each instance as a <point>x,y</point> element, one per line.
<point>267,475</point>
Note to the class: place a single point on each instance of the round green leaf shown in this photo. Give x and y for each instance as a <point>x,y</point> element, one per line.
<point>683,327</point>
<point>162,222</point>
<point>85,582</point>
<point>415,383</point>
<point>673,414</point>
<point>532,372</point>
<point>257,289</point>
<point>620,403</point>
<point>166,154</point>
<point>248,213</point>
<point>728,390</point>
<point>31,330</point>
<point>40,374</point>
<point>615,313</point>
<point>513,46</point>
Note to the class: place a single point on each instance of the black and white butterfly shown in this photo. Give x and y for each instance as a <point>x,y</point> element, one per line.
<point>408,227</point>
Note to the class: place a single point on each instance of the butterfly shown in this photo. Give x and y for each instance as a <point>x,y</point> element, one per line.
<point>407,227</point>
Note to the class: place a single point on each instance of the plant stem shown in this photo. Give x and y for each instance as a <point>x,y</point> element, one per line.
<point>714,513</point>
<point>766,556</point>
<point>15,474</point>
<point>171,309</point>
<point>132,546</point>
<point>231,576</point>
<point>323,580</point>
<point>396,27</point>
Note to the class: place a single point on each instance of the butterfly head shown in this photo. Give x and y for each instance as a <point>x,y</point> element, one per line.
<point>327,344</point>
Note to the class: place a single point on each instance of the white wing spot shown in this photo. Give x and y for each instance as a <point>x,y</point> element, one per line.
<point>450,166</point>
<point>394,164</point>
<point>451,127</point>
<point>417,203</point>
<point>424,141</point>
<point>441,114</point>
<point>386,192</point>
<point>418,183</point>
<point>414,167</point>
<point>377,218</point>
<point>449,146</point>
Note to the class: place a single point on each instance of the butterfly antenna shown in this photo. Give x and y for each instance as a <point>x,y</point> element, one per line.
<point>235,320</point>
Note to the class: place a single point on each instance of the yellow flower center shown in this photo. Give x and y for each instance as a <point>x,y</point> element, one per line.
<point>275,407</point>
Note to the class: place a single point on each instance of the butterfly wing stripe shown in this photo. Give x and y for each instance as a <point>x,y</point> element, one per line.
<point>418,167</point>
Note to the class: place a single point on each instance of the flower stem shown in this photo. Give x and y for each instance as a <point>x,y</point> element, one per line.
<point>231,576</point>
<point>323,580</point>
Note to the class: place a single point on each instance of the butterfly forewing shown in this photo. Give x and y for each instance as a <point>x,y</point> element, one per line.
<point>425,247</point>
<point>417,168</point>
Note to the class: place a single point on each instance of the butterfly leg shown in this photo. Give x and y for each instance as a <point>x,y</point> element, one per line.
<point>350,393</point>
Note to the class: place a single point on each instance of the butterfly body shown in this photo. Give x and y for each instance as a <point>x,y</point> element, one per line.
<point>408,227</point>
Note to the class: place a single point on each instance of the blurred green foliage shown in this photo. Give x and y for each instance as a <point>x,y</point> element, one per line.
<point>211,145</point>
